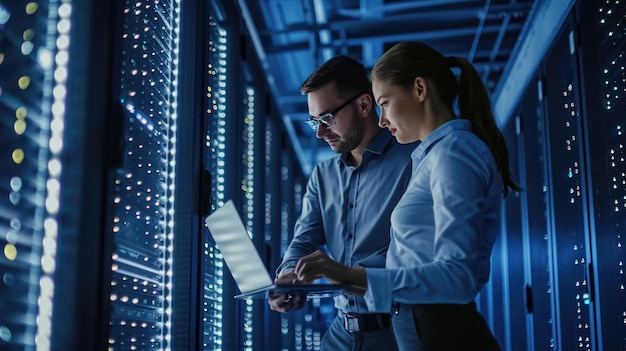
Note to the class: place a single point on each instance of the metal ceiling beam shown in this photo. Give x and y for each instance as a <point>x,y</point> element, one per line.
<point>542,26</point>
<point>496,45</point>
<point>401,7</point>
<point>423,35</point>
<point>372,50</point>
<point>479,31</point>
<point>396,37</point>
<point>447,16</point>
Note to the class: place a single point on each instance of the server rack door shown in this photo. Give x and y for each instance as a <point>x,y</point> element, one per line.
<point>51,176</point>
<point>273,186</point>
<point>215,98</point>
<point>513,249</point>
<point>252,185</point>
<point>568,226</point>
<point>31,144</point>
<point>603,50</point>
<point>538,285</point>
<point>291,323</point>
<point>140,224</point>
<point>230,133</point>
<point>192,189</point>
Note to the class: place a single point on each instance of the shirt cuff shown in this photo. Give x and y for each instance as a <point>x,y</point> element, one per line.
<point>286,267</point>
<point>378,296</point>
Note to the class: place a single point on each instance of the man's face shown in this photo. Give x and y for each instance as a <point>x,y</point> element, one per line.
<point>347,132</point>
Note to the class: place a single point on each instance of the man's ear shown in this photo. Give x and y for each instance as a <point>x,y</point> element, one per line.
<point>421,88</point>
<point>365,104</point>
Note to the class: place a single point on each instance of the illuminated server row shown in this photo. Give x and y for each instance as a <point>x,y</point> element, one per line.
<point>558,278</point>
<point>33,86</point>
<point>122,128</point>
<point>87,223</point>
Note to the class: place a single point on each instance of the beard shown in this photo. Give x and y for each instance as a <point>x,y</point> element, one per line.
<point>355,135</point>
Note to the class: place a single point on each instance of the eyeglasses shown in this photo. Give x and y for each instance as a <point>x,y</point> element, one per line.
<point>328,120</point>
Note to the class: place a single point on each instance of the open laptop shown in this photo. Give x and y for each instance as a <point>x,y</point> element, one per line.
<point>245,264</point>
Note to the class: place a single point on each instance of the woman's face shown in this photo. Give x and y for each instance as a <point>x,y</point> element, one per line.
<point>400,110</point>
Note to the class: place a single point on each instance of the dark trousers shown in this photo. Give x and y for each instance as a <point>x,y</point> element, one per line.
<point>338,339</point>
<point>441,327</point>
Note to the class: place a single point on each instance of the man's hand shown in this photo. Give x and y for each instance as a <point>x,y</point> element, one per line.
<point>285,302</point>
<point>318,265</point>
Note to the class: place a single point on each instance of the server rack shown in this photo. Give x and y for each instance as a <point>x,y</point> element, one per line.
<point>568,192</point>
<point>547,137</point>
<point>54,162</point>
<point>141,221</point>
<point>601,50</point>
<point>31,145</point>
<point>538,294</point>
<point>568,142</point>
<point>215,53</point>
<point>514,304</point>
<point>273,222</point>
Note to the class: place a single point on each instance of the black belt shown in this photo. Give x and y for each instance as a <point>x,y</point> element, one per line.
<point>441,307</point>
<point>355,323</point>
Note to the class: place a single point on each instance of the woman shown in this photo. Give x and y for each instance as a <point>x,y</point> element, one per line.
<point>444,226</point>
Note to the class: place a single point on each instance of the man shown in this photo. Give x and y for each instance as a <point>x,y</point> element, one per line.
<point>348,199</point>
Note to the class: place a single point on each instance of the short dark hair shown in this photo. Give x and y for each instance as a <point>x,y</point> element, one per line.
<point>349,75</point>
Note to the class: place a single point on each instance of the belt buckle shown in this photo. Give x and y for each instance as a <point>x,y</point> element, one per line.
<point>351,322</point>
<point>395,308</point>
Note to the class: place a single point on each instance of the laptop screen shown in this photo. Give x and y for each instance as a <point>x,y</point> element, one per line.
<point>239,253</point>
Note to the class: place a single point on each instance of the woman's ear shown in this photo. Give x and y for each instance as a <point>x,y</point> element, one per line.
<point>421,88</point>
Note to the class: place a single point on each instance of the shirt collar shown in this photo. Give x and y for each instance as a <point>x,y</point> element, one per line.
<point>438,134</point>
<point>381,142</point>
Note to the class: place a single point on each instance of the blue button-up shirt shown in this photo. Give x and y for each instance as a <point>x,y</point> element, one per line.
<point>348,210</point>
<point>444,226</point>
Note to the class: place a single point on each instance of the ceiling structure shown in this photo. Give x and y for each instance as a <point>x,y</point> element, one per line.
<point>293,37</point>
